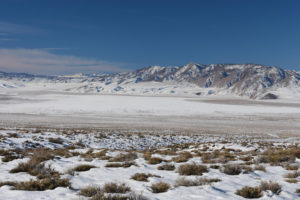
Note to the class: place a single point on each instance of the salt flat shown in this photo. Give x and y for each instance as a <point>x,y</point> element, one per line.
<point>214,114</point>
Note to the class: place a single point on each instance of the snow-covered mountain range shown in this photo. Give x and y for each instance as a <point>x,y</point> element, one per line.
<point>251,80</point>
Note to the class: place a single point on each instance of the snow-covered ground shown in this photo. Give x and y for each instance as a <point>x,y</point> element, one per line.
<point>223,114</point>
<point>115,142</point>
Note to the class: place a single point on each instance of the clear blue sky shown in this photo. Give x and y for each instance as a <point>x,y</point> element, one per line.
<point>66,36</point>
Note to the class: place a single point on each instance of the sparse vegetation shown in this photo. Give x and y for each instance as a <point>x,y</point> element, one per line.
<point>249,192</point>
<point>160,187</point>
<point>272,186</point>
<point>124,157</point>
<point>183,181</point>
<point>232,169</point>
<point>168,167</point>
<point>192,169</point>
<point>143,177</point>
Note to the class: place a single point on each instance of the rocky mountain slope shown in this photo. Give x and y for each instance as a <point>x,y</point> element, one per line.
<point>251,80</point>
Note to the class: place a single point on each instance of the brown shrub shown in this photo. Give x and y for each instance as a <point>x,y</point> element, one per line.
<point>83,167</point>
<point>116,188</point>
<point>183,157</point>
<point>124,165</point>
<point>89,191</point>
<point>292,174</point>
<point>143,177</point>
<point>124,157</point>
<point>160,187</point>
<point>168,167</point>
<point>56,140</point>
<point>272,186</point>
<point>260,168</point>
<point>192,169</point>
<point>39,185</point>
<point>249,192</point>
<point>183,181</point>
<point>291,167</point>
<point>291,180</point>
<point>231,169</point>
<point>154,160</point>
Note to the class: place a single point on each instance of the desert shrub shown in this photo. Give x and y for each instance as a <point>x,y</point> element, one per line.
<point>155,160</point>
<point>292,174</point>
<point>260,168</point>
<point>272,186</point>
<point>142,176</point>
<point>124,157</point>
<point>183,181</point>
<point>168,167</point>
<point>192,169</point>
<point>292,167</point>
<point>277,156</point>
<point>82,168</point>
<point>131,196</point>
<point>291,180</point>
<point>217,157</point>
<point>89,191</point>
<point>183,157</point>
<point>116,188</point>
<point>214,166</point>
<point>160,187</point>
<point>246,169</point>
<point>56,140</point>
<point>39,185</point>
<point>124,165</point>
<point>231,169</point>
<point>249,192</point>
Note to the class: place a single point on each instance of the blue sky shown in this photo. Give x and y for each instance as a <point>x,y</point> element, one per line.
<point>71,36</point>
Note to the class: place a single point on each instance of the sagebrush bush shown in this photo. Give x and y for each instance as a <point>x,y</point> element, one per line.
<point>272,186</point>
<point>56,140</point>
<point>89,191</point>
<point>142,176</point>
<point>124,165</point>
<point>183,181</point>
<point>116,188</point>
<point>155,160</point>
<point>183,157</point>
<point>160,187</point>
<point>260,168</point>
<point>231,169</point>
<point>192,169</point>
<point>82,168</point>
<point>40,185</point>
<point>124,157</point>
<point>249,192</point>
<point>292,174</point>
<point>168,167</point>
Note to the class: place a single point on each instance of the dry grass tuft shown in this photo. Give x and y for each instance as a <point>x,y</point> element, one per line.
<point>272,186</point>
<point>143,177</point>
<point>56,140</point>
<point>249,192</point>
<point>167,167</point>
<point>82,168</point>
<point>124,165</point>
<point>292,174</point>
<point>160,187</point>
<point>260,168</point>
<point>124,157</point>
<point>116,188</point>
<point>183,181</point>
<point>183,157</point>
<point>192,169</point>
<point>232,169</point>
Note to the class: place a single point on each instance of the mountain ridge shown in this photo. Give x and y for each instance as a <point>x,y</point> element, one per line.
<point>251,80</point>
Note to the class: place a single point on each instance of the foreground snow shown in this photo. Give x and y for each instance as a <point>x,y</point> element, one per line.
<point>116,142</point>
